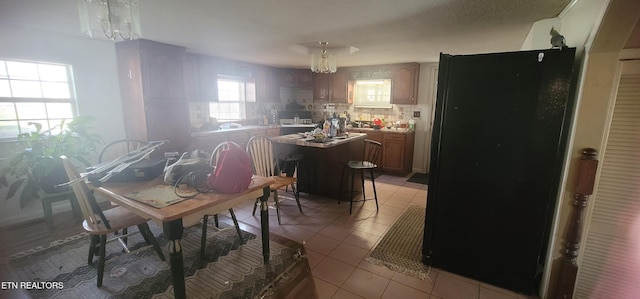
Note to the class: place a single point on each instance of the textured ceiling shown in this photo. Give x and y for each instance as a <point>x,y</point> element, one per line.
<point>268,31</point>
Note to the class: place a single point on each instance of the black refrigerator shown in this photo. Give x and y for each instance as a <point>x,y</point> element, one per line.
<point>497,153</point>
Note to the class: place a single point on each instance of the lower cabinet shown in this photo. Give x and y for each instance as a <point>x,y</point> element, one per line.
<point>397,149</point>
<point>208,142</point>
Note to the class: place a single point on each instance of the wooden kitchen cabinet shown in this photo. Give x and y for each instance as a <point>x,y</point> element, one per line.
<point>404,84</point>
<point>397,152</point>
<point>191,72</point>
<point>153,94</point>
<point>208,79</point>
<point>300,78</point>
<point>377,136</point>
<point>267,87</point>
<point>331,87</point>
<point>200,78</point>
<point>397,149</point>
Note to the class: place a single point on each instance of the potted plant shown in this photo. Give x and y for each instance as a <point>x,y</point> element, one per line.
<point>38,166</point>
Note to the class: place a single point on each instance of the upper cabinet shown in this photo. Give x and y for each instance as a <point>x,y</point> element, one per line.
<point>208,81</point>
<point>155,66</point>
<point>200,78</point>
<point>267,87</point>
<point>338,87</point>
<point>332,87</point>
<point>300,78</point>
<point>152,88</point>
<point>404,84</point>
<point>191,76</point>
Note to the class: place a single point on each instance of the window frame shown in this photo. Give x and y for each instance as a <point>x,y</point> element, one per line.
<point>360,104</point>
<point>242,103</point>
<point>48,122</point>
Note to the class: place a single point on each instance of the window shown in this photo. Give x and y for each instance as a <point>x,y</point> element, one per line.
<point>34,92</point>
<point>372,93</point>
<point>231,100</point>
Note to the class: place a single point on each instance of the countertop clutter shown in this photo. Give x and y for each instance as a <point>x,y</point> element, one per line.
<point>384,130</point>
<point>300,139</point>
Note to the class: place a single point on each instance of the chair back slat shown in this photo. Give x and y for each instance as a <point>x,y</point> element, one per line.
<point>260,150</point>
<point>217,151</point>
<point>90,210</point>
<point>372,151</point>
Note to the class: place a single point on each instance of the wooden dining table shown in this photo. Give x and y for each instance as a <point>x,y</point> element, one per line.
<point>188,212</point>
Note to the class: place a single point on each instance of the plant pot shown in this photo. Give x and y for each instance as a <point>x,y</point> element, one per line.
<point>56,177</point>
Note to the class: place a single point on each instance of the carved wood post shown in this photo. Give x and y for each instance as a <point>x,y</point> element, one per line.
<point>587,167</point>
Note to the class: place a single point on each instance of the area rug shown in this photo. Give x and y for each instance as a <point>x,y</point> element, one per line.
<point>229,270</point>
<point>401,247</point>
<point>420,178</point>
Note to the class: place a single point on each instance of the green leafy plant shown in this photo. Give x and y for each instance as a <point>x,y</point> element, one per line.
<point>38,166</point>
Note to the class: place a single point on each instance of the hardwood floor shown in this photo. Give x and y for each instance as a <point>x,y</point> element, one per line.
<point>31,234</point>
<point>24,236</point>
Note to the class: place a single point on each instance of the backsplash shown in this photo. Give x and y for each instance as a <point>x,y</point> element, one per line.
<point>199,111</point>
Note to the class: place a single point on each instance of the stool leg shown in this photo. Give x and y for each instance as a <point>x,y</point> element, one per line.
<point>235,223</point>
<point>203,238</point>
<point>75,207</point>
<point>364,194</point>
<point>101,260</point>
<point>341,183</point>
<point>48,213</point>
<point>92,248</point>
<point>254,206</point>
<point>353,178</point>
<point>375,194</point>
<point>296,194</point>
<point>125,231</point>
<point>275,199</point>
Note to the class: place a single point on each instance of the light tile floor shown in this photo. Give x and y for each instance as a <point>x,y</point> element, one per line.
<point>337,244</point>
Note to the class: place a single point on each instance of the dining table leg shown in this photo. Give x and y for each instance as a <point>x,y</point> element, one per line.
<point>264,222</point>
<point>174,230</point>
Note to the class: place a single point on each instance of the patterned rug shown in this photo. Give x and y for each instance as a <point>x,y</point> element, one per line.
<point>401,247</point>
<point>229,270</point>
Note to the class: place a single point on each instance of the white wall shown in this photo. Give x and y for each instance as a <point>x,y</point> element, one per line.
<point>427,89</point>
<point>98,92</point>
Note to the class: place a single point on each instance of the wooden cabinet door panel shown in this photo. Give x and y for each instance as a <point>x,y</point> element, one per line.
<point>162,75</point>
<point>266,84</point>
<point>208,79</point>
<point>300,78</point>
<point>192,77</point>
<point>169,121</point>
<point>338,87</point>
<point>393,152</point>
<point>321,87</point>
<point>405,84</point>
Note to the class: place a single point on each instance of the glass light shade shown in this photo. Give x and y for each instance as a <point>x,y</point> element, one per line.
<point>323,62</point>
<point>110,19</point>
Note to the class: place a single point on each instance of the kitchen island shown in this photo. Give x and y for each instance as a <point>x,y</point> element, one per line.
<point>321,168</point>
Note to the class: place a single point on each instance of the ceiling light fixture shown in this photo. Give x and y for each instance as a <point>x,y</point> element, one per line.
<point>323,61</point>
<point>111,19</point>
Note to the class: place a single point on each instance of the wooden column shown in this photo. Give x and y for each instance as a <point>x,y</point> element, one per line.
<point>587,167</point>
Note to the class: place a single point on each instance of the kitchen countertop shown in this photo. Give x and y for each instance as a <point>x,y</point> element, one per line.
<point>243,128</point>
<point>298,139</point>
<point>383,130</point>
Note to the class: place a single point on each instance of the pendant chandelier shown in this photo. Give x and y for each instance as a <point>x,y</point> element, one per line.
<point>110,19</point>
<point>323,61</point>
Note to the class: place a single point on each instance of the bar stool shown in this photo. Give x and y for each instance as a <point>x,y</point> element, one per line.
<point>372,151</point>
